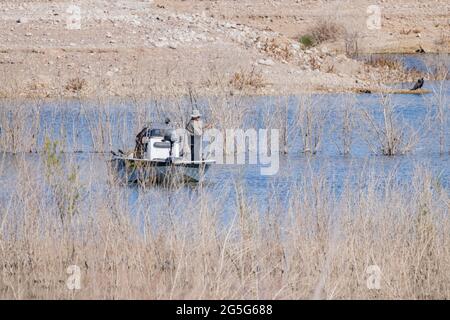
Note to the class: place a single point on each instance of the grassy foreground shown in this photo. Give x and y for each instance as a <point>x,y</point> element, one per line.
<point>314,245</point>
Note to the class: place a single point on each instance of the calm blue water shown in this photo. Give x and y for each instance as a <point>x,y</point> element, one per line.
<point>77,124</point>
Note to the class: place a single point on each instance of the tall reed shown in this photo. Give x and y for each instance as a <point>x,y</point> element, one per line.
<point>317,244</point>
<point>390,136</point>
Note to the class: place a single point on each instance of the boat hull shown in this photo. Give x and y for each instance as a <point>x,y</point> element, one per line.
<point>147,172</point>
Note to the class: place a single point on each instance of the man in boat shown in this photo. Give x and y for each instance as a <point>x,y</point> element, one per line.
<point>194,130</point>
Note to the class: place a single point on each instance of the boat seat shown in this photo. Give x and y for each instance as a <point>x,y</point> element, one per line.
<point>162,145</point>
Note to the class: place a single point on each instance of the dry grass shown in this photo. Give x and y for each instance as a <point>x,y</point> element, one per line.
<point>443,40</point>
<point>278,49</point>
<point>352,39</point>
<point>392,135</point>
<point>316,246</point>
<point>326,30</point>
<point>440,100</point>
<point>390,68</point>
<point>438,68</point>
<point>310,122</point>
<point>244,80</point>
<point>385,63</point>
<point>277,118</point>
<point>345,128</point>
<point>104,126</point>
<point>18,120</point>
<point>75,85</point>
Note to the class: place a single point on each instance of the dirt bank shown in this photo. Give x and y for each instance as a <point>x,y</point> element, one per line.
<point>142,48</point>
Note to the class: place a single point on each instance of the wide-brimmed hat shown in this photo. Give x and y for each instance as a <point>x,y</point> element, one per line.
<point>195,114</point>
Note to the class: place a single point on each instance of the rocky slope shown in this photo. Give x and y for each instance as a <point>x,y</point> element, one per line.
<point>143,48</point>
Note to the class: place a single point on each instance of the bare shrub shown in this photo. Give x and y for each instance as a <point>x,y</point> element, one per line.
<point>315,64</point>
<point>75,85</point>
<point>391,67</point>
<point>278,49</point>
<point>326,30</point>
<point>439,100</point>
<point>19,126</point>
<point>310,121</point>
<point>276,117</point>
<point>437,67</point>
<point>390,136</point>
<point>385,63</point>
<point>242,80</point>
<point>443,40</point>
<point>227,112</point>
<point>63,182</point>
<point>352,43</point>
<point>99,125</point>
<point>344,129</point>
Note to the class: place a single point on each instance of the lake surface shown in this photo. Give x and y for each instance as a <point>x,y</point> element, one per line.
<point>74,124</point>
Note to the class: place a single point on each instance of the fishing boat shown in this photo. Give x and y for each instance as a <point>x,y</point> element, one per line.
<point>163,160</point>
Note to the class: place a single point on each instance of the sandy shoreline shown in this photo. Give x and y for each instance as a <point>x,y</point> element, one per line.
<point>141,48</point>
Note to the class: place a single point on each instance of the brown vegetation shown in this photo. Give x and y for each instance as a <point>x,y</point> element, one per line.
<point>75,85</point>
<point>315,244</point>
<point>244,79</point>
<point>326,30</point>
<point>319,246</point>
